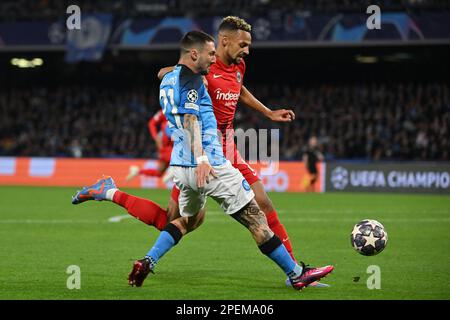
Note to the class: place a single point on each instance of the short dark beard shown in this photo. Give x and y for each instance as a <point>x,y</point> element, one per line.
<point>235,61</point>
<point>204,72</point>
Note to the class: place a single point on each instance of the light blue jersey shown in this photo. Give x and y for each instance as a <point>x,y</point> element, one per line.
<point>182,92</point>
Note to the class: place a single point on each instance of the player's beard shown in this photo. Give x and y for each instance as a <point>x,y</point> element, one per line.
<point>204,67</point>
<point>204,72</point>
<point>238,59</point>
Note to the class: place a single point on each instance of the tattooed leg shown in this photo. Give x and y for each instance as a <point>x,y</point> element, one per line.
<point>255,221</point>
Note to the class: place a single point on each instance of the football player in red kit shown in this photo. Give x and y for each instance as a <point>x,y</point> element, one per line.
<point>157,126</point>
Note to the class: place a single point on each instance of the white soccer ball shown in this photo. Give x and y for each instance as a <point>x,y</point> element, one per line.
<point>369,237</point>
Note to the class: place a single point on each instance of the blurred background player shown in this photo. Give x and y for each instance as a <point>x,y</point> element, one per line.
<point>157,126</point>
<point>311,156</point>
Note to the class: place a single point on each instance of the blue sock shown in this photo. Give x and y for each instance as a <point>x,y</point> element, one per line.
<point>164,243</point>
<point>276,251</point>
<point>282,258</point>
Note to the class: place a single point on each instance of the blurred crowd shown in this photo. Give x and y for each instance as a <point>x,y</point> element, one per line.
<point>76,122</point>
<point>372,121</point>
<point>13,10</point>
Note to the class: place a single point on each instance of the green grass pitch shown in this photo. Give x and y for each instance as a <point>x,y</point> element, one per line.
<point>42,234</point>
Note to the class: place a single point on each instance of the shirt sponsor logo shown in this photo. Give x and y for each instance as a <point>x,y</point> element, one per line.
<point>227,96</point>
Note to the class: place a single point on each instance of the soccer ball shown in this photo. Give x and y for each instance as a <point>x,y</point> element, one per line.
<point>369,237</point>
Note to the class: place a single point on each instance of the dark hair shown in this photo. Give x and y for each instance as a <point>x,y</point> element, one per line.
<point>194,39</point>
<point>232,23</point>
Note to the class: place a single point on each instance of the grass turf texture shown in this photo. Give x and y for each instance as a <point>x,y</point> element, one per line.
<point>42,234</point>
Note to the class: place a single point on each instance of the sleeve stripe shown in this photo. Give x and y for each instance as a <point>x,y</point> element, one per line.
<point>193,106</point>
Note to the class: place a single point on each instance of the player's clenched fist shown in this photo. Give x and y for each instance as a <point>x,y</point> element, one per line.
<point>282,115</point>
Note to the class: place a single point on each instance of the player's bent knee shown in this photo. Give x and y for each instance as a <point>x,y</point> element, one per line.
<point>195,221</point>
<point>201,218</point>
<point>177,228</point>
<point>261,197</point>
<point>264,203</point>
<point>174,229</point>
<point>173,210</point>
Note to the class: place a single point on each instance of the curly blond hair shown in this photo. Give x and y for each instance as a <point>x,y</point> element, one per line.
<point>233,23</point>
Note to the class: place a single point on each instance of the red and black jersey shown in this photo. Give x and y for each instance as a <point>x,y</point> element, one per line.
<point>224,87</point>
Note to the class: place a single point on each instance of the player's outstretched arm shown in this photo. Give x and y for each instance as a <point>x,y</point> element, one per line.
<point>162,72</point>
<point>282,115</point>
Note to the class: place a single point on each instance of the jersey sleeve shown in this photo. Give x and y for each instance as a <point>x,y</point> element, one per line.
<point>191,90</point>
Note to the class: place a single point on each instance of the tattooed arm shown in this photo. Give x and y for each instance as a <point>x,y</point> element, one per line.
<point>194,138</point>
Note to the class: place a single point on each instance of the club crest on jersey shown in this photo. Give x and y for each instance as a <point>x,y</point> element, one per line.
<point>245,185</point>
<point>238,76</point>
<point>192,95</point>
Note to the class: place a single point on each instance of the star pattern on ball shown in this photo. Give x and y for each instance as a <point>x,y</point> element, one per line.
<point>370,239</point>
<point>373,224</point>
<point>355,230</point>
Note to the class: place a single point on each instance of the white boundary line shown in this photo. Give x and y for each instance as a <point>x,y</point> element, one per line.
<point>213,216</point>
<point>49,221</point>
<point>119,218</point>
<point>215,219</point>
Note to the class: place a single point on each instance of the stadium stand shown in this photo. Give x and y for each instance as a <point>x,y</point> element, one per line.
<point>50,9</point>
<point>373,121</point>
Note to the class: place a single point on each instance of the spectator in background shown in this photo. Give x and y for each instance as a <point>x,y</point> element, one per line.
<point>16,10</point>
<point>363,121</point>
<point>76,149</point>
<point>311,156</point>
